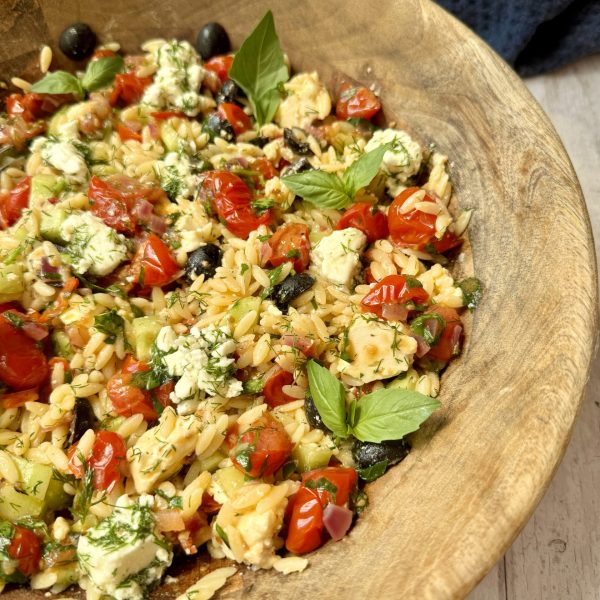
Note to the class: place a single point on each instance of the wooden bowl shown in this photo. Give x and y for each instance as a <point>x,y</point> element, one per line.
<point>439,521</point>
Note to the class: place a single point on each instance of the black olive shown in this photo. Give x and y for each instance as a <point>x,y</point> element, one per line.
<point>216,126</point>
<point>260,141</point>
<point>230,92</point>
<point>203,261</point>
<point>84,419</point>
<point>366,454</point>
<point>312,414</point>
<point>290,288</point>
<point>294,140</point>
<point>212,40</point>
<point>299,166</point>
<point>77,41</point>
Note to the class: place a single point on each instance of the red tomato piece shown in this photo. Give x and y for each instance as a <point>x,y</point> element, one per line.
<point>14,203</point>
<point>220,65</point>
<point>273,392</point>
<point>265,168</point>
<point>394,289</point>
<point>17,399</point>
<point>162,393</point>
<point>22,364</point>
<point>128,399</point>
<point>162,115</point>
<point>233,113</point>
<point>26,548</point>
<point>364,216</point>
<point>153,264</point>
<point>231,199</point>
<point>128,89</point>
<point>34,106</point>
<point>290,243</point>
<point>126,133</point>
<point>102,54</point>
<point>331,484</point>
<point>305,529</point>
<point>450,342</point>
<point>414,228</point>
<point>263,449</point>
<point>448,242</point>
<point>356,102</point>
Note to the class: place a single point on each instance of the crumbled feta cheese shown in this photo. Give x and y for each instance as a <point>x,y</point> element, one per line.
<point>376,349</point>
<point>201,360</point>
<point>277,191</point>
<point>337,255</point>
<point>402,162</point>
<point>94,247</point>
<point>123,556</point>
<point>64,156</point>
<point>177,79</point>
<point>307,100</point>
<point>178,175</point>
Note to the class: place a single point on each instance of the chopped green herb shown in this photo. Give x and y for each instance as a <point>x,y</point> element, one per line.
<point>472,290</point>
<point>111,324</point>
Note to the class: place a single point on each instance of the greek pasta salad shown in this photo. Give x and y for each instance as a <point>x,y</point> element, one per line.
<point>225,303</point>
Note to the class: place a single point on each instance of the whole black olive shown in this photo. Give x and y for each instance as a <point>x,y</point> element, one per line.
<point>260,141</point>
<point>203,261</point>
<point>298,166</point>
<point>366,454</point>
<point>230,92</point>
<point>312,414</point>
<point>83,420</point>
<point>294,139</point>
<point>77,41</point>
<point>290,288</point>
<point>216,126</point>
<point>212,40</point>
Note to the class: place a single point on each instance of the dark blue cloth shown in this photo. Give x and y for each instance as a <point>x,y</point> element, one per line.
<point>533,35</point>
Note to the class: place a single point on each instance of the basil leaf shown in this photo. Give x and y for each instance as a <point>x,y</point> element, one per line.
<point>361,172</point>
<point>259,67</point>
<point>58,82</point>
<point>374,471</point>
<point>390,414</point>
<point>320,188</point>
<point>328,395</point>
<point>100,73</point>
<point>472,290</point>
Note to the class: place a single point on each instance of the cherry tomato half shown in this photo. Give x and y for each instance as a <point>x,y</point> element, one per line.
<point>450,342</point>
<point>13,203</point>
<point>220,65</point>
<point>356,102</point>
<point>238,119</point>
<point>34,106</point>
<point>128,89</point>
<point>364,216</point>
<point>26,548</point>
<point>263,448</point>
<point>331,484</point>
<point>153,264</point>
<point>128,399</point>
<point>305,529</point>
<point>290,243</point>
<point>126,133</point>
<point>394,289</point>
<point>273,392</point>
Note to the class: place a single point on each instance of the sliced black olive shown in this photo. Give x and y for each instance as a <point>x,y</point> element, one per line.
<point>77,41</point>
<point>294,139</point>
<point>212,40</point>
<point>203,261</point>
<point>366,454</point>
<point>216,126</point>
<point>290,288</point>
<point>260,141</point>
<point>299,166</point>
<point>312,414</point>
<point>230,92</point>
<point>84,419</point>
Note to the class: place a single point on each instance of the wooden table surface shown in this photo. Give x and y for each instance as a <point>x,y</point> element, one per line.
<point>557,555</point>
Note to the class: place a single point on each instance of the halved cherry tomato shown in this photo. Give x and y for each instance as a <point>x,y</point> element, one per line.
<point>238,119</point>
<point>17,399</point>
<point>263,449</point>
<point>162,115</point>
<point>273,392</point>
<point>290,243</point>
<point>62,300</point>
<point>364,216</point>
<point>14,203</point>
<point>153,264</point>
<point>128,89</point>
<point>220,65</point>
<point>34,106</point>
<point>26,548</point>
<point>22,364</point>
<point>450,342</point>
<point>331,484</point>
<point>126,398</point>
<point>126,133</point>
<point>448,242</point>
<point>231,199</point>
<point>104,53</point>
<point>265,167</point>
<point>162,393</point>
<point>356,102</point>
<point>108,452</point>
<point>394,289</point>
<point>305,529</point>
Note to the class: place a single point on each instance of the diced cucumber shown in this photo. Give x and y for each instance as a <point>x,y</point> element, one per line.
<point>113,424</point>
<point>311,456</point>
<point>61,345</point>
<point>243,306</point>
<point>406,381</point>
<point>52,219</point>
<point>230,480</point>
<point>211,463</point>
<point>11,282</point>
<point>58,119</point>
<point>16,505</point>
<point>169,137</point>
<point>44,187</point>
<point>33,477</point>
<point>145,330</point>
<point>56,497</point>
<point>103,170</point>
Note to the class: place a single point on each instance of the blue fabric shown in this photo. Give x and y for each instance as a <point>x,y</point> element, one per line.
<point>533,35</point>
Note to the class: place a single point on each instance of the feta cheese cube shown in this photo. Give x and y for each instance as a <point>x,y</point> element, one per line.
<point>307,99</point>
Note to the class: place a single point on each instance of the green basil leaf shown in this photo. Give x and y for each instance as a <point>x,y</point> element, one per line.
<point>259,67</point>
<point>472,290</point>
<point>361,172</point>
<point>390,414</point>
<point>100,73</point>
<point>320,188</point>
<point>58,82</point>
<point>328,395</point>
<point>374,471</point>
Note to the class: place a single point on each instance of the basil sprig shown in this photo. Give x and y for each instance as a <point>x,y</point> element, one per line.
<point>98,74</point>
<point>259,69</point>
<point>327,190</point>
<point>387,414</point>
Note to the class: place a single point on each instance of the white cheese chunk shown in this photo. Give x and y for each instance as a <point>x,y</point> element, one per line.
<point>94,247</point>
<point>179,175</point>
<point>337,256</point>
<point>307,99</point>
<point>64,156</point>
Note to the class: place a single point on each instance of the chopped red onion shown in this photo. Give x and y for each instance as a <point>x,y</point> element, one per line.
<point>337,520</point>
<point>304,344</point>
<point>35,331</point>
<point>422,346</point>
<point>394,312</point>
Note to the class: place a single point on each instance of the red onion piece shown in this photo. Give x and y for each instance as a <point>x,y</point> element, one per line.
<point>337,520</point>
<point>422,346</point>
<point>142,210</point>
<point>154,130</point>
<point>432,326</point>
<point>35,331</point>
<point>304,344</point>
<point>157,224</point>
<point>265,253</point>
<point>456,339</point>
<point>394,312</point>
